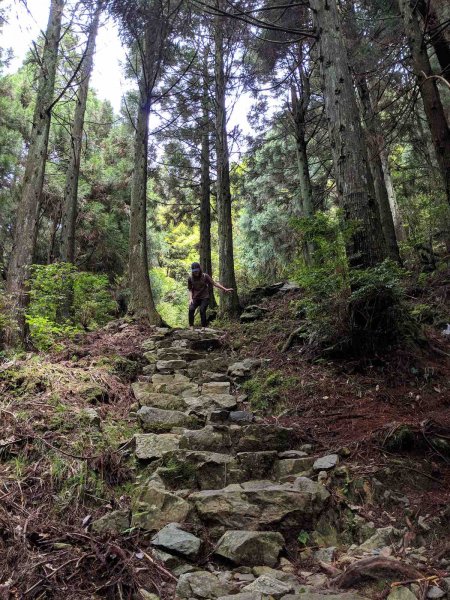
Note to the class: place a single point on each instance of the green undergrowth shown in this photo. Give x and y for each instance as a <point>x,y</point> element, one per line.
<point>52,288</point>
<point>267,390</point>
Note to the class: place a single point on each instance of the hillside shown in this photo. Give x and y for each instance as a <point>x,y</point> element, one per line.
<point>86,484</point>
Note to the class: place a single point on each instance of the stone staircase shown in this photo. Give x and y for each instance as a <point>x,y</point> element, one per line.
<point>222,493</point>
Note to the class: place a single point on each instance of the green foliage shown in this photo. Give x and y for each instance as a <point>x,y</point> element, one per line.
<point>377,313</point>
<point>360,311</point>
<point>325,282</point>
<point>51,288</point>
<point>303,538</point>
<point>266,388</point>
<point>44,332</point>
<point>170,297</point>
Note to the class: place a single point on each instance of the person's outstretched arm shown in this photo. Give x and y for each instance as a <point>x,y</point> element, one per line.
<point>221,287</point>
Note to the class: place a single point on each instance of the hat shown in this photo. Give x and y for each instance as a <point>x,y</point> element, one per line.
<point>195,267</point>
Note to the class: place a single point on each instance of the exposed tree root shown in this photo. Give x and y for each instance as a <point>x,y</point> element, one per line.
<point>375,568</point>
<point>290,340</point>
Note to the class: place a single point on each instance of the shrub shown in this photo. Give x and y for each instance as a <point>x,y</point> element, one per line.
<point>170,296</point>
<point>377,314</point>
<point>348,311</point>
<point>51,288</point>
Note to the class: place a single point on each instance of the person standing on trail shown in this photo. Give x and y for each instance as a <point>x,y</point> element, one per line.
<point>199,286</point>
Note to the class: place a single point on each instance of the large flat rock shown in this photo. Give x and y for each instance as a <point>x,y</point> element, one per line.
<point>258,504</point>
<point>173,537</point>
<point>201,584</point>
<point>154,507</point>
<point>216,387</point>
<point>270,587</point>
<point>236,438</point>
<point>251,548</point>
<point>169,366</point>
<point>257,437</point>
<point>293,466</point>
<point>151,446</point>
<point>207,438</point>
<point>159,420</point>
<point>175,353</point>
<point>146,396</point>
<point>206,403</point>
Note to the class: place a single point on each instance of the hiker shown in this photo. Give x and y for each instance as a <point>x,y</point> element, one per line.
<point>199,286</point>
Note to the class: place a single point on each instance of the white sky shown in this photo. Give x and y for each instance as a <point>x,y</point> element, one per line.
<point>23,26</point>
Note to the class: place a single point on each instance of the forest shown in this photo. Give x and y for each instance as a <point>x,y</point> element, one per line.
<point>346,167</point>
<point>324,213</point>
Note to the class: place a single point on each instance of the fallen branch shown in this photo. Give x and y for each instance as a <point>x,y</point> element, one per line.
<point>431,578</point>
<point>159,567</point>
<point>375,568</point>
<point>43,579</point>
<point>329,569</point>
<point>288,343</point>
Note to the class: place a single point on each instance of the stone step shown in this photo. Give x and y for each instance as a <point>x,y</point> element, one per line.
<point>159,420</point>
<point>172,353</point>
<point>151,446</point>
<point>180,469</point>
<point>199,469</point>
<point>212,363</point>
<point>250,548</point>
<point>205,404</point>
<point>254,437</point>
<point>176,384</point>
<point>216,387</point>
<point>240,417</point>
<point>256,505</point>
<point>170,366</point>
<point>146,396</point>
<point>196,334</point>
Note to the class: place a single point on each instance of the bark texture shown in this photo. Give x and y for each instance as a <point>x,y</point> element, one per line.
<point>70,201</point>
<point>305,207</point>
<point>434,110</point>
<point>205,186</point>
<point>142,305</point>
<point>375,143</point>
<point>365,248</point>
<point>436,17</point>
<point>28,210</point>
<point>396,216</point>
<point>229,304</point>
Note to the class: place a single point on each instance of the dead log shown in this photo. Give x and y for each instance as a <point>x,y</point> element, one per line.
<point>375,568</point>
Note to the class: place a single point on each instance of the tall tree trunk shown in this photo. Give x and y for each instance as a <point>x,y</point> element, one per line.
<point>305,207</point>
<point>229,304</point>
<point>365,248</point>
<point>28,210</point>
<point>436,18</point>
<point>374,145</point>
<point>142,305</point>
<point>205,184</point>
<point>434,110</point>
<point>76,136</point>
<point>396,216</point>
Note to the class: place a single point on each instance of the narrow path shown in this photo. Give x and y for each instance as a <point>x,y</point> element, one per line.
<point>224,493</point>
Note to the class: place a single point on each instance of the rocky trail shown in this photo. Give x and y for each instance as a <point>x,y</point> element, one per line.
<point>235,506</point>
